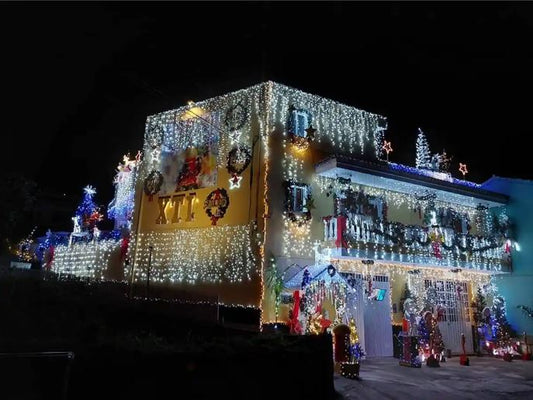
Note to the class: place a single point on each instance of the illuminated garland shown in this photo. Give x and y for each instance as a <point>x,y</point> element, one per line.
<point>329,186</point>
<point>209,255</point>
<point>403,271</point>
<point>263,113</point>
<point>443,176</point>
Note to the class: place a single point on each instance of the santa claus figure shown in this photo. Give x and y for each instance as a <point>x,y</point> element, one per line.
<point>188,178</point>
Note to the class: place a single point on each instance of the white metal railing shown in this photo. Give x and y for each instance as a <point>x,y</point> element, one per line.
<point>330,228</point>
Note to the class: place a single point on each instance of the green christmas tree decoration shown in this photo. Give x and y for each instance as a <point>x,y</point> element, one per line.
<point>503,331</point>
<point>406,295</point>
<point>478,305</point>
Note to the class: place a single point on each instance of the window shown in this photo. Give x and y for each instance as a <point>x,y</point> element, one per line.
<point>299,121</point>
<point>299,197</point>
<point>298,201</point>
<point>301,124</point>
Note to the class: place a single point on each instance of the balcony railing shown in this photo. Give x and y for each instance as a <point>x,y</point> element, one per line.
<point>359,236</point>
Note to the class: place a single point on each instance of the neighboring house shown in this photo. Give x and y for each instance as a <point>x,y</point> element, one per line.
<point>271,177</point>
<point>516,288</point>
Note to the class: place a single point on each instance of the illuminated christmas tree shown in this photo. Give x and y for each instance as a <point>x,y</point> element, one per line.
<point>502,329</point>
<point>478,306</point>
<point>87,212</point>
<point>423,155</point>
<point>24,250</point>
<point>356,351</point>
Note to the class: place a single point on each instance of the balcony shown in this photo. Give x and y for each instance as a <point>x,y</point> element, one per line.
<point>358,236</point>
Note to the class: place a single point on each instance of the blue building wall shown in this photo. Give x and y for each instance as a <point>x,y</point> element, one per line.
<point>517,287</point>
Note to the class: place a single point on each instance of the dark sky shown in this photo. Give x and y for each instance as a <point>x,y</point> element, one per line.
<point>79,79</point>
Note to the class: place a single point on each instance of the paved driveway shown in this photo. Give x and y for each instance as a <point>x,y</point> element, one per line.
<point>485,379</point>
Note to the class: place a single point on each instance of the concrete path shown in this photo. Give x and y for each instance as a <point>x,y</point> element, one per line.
<point>486,378</point>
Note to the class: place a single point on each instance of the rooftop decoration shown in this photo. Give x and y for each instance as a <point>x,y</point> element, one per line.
<point>423,155</point>
<point>433,174</point>
<point>462,169</point>
<point>387,147</point>
<point>88,213</point>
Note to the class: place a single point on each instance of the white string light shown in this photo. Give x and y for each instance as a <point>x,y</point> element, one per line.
<point>199,255</point>
<point>85,259</point>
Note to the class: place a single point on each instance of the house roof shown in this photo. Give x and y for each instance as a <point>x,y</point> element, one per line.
<point>282,89</point>
<point>403,178</point>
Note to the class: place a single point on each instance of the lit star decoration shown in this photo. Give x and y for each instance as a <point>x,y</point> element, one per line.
<point>462,169</point>
<point>89,190</point>
<point>235,182</point>
<point>387,147</point>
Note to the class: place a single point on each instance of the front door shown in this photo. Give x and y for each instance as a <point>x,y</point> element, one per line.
<point>453,299</point>
<point>377,317</point>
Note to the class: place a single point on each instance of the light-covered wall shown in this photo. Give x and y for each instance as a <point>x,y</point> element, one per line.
<point>339,128</point>
<point>192,252</point>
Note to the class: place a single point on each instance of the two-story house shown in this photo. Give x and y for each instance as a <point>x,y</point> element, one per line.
<point>270,178</point>
<point>270,174</point>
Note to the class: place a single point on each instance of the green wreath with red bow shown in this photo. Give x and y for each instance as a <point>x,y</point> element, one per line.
<point>216,204</point>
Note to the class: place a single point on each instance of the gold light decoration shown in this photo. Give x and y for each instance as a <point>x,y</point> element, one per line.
<point>354,337</point>
<point>462,169</point>
<point>387,147</point>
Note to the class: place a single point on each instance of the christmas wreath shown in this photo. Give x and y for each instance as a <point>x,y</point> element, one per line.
<point>239,158</point>
<point>219,201</point>
<point>235,117</point>
<point>153,182</point>
<point>155,134</point>
<point>299,217</point>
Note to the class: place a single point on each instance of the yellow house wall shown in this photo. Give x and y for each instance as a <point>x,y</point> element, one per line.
<point>242,210</point>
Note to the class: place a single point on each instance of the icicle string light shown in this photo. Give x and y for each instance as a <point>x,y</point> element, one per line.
<point>85,259</point>
<point>336,124</point>
<point>394,270</point>
<point>326,184</point>
<point>201,255</point>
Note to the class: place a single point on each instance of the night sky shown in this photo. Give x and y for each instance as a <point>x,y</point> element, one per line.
<point>79,79</point>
